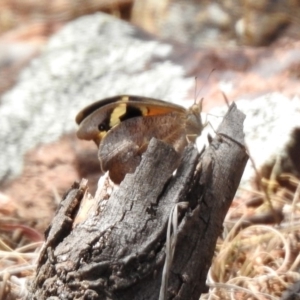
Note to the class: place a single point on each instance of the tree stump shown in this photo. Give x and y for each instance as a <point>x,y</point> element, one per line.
<point>114,246</point>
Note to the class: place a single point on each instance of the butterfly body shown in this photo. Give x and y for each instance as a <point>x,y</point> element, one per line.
<point>123,126</point>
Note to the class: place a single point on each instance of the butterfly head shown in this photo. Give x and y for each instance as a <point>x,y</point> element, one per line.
<point>194,125</point>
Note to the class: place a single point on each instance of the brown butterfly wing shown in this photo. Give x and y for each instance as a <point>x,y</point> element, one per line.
<point>121,149</point>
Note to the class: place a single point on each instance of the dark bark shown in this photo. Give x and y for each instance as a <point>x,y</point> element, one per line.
<point>116,250</point>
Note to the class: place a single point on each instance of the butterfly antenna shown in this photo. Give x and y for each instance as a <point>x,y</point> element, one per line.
<point>225,98</point>
<point>197,94</point>
<point>195,91</point>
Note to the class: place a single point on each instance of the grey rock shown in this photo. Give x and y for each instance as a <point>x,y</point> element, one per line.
<point>91,58</point>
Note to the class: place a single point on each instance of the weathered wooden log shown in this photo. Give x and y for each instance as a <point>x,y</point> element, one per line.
<point>116,248</point>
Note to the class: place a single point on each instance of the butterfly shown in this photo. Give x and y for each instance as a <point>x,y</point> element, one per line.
<point>122,127</point>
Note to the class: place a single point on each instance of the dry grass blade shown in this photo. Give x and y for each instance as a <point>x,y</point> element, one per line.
<point>16,265</point>
<point>259,261</point>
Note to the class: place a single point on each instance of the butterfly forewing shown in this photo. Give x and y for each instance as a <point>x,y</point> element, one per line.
<point>114,101</point>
